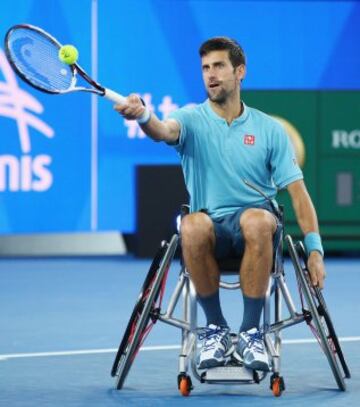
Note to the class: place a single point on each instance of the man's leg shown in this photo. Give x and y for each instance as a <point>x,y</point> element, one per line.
<point>258,227</point>
<point>198,245</point>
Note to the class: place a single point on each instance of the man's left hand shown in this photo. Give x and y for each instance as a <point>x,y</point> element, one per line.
<point>317,269</point>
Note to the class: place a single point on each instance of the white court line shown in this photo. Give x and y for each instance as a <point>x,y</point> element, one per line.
<point>145,349</point>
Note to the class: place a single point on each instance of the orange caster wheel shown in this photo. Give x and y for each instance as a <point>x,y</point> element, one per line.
<point>277,385</point>
<point>184,384</point>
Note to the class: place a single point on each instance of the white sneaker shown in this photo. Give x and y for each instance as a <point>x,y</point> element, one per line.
<point>216,347</point>
<point>252,349</point>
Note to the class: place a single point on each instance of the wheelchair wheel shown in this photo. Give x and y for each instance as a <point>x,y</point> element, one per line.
<point>277,385</point>
<point>317,316</point>
<point>145,312</point>
<point>184,384</point>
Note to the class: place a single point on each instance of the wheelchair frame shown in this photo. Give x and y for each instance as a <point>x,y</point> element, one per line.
<point>148,311</point>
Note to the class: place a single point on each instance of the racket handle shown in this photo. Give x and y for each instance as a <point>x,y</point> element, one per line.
<point>114,97</point>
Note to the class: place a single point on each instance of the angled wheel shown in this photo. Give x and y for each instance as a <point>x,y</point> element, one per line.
<point>145,312</point>
<point>317,315</point>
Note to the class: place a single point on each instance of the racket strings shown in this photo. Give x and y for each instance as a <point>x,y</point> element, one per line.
<point>36,57</point>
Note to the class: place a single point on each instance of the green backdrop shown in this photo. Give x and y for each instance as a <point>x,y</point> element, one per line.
<point>329,125</point>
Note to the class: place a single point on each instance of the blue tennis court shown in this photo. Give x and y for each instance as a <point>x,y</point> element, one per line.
<point>86,194</point>
<point>62,320</point>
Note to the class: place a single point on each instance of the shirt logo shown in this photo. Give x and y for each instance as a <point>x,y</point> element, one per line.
<point>249,139</point>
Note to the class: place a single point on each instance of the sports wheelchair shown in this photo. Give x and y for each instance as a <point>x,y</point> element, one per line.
<point>148,310</point>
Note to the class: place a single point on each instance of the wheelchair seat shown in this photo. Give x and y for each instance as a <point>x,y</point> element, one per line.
<point>229,265</point>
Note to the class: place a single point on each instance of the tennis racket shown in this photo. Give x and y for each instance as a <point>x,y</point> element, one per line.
<point>33,54</point>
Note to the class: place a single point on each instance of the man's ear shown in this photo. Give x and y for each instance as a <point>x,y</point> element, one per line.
<point>241,72</point>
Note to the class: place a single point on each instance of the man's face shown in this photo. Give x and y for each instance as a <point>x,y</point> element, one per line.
<point>221,79</point>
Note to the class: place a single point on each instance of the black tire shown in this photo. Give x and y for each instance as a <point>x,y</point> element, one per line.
<point>145,311</point>
<point>317,315</point>
<point>325,313</point>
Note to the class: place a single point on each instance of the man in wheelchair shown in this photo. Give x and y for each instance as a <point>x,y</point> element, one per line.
<point>221,142</point>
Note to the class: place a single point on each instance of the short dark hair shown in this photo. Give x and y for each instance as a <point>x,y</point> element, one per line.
<point>236,53</point>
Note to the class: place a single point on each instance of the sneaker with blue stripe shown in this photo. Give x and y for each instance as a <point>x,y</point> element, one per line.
<point>251,348</point>
<point>216,347</point>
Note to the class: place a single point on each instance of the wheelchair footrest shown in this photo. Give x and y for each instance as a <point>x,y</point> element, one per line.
<point>230,374</point>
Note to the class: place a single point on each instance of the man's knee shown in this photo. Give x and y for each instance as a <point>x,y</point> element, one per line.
<point>257,225</point>
<point>197,229</point>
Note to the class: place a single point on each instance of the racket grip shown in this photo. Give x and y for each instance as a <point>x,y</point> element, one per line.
<point>114,97</point>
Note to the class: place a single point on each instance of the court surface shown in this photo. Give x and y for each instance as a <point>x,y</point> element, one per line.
<point>61,322</point>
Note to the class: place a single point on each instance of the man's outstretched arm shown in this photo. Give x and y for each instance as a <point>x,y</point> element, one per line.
<point>166,130</point>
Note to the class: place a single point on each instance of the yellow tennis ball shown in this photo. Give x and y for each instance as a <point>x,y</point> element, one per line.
<point>68,54</point>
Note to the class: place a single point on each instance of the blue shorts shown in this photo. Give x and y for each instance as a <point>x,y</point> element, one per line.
<point>229,239</point>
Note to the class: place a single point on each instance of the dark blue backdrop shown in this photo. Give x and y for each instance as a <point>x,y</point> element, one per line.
<point>149,47</point>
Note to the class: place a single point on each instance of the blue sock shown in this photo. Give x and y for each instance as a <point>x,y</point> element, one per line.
<point>212,309</point>
<point>252,313</point>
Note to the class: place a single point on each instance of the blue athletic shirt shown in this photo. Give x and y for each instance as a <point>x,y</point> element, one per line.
<point>216,157</point>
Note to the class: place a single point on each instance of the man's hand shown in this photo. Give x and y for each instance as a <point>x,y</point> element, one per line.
<point>131,110</point>
<point>166,130</point>
<point>317,269</point>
